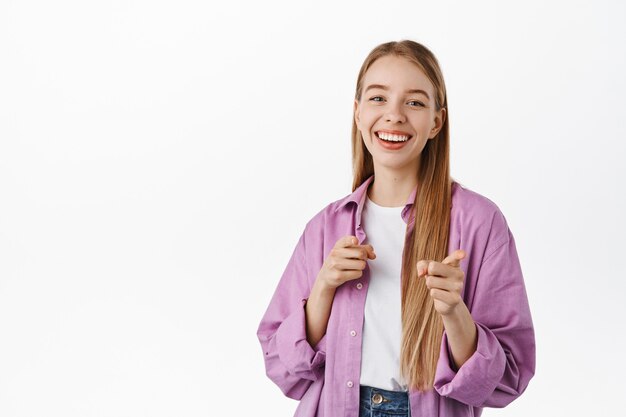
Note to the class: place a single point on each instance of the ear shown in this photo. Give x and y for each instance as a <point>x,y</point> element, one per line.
<point>357,113</point>
<point>440,118</point>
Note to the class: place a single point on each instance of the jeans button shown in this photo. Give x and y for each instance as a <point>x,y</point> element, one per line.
<point>377,398</point>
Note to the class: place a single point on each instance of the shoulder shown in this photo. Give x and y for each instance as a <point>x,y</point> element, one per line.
<point>470,202</point>
<point>331,219</point>
<point>475,214</point>
<point>337,210</point>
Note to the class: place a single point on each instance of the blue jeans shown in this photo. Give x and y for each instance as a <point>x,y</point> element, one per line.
<point>376,402</point>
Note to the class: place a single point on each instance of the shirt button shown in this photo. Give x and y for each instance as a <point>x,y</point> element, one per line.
<point>349,384</point>
<point>352,333</point>
<point>359,286</point>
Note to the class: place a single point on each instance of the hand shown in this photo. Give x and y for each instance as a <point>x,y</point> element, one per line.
<point>345,262</point>
<point>444,280</point>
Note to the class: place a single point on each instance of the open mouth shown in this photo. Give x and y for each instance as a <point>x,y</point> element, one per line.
<point>392,138</point>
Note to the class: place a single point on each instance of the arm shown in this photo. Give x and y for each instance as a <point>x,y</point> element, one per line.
<point>503,363</point>
<point>290,361</point>
<point>345,262</point>
<point>444,281</point>
<point>317,311</point>
<point>461,334</point>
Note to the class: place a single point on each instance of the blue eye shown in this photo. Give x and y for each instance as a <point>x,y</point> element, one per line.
<point>372,99</point>
<point>418,103</point>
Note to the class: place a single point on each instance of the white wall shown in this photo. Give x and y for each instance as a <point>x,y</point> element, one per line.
<point>158,161</point>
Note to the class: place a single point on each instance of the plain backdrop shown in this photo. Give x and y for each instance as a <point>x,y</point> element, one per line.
<point>159,160</point>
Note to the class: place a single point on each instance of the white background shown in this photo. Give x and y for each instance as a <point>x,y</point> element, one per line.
<point>159,160</point>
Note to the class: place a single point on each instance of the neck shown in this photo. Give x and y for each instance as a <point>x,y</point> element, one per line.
<point>391,188</point>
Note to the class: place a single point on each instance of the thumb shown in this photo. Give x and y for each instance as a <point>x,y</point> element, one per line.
<point>454,259</point>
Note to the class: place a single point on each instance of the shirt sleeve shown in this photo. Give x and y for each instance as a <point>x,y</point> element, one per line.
<point>504,361</point>
<point>290,361</point>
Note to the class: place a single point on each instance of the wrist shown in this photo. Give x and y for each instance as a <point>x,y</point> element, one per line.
<point>322,287</point>
<point>458,317</point>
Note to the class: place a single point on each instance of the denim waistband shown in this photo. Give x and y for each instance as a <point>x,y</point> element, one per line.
<point>383,400</point>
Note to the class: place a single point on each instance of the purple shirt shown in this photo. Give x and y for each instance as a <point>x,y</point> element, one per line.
<point>325,377</point>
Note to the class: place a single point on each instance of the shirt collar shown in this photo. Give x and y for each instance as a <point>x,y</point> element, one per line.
<point>358,197</point>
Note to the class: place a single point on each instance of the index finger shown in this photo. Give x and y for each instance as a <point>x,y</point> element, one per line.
<point>454,259</point>
<point>346,242</point>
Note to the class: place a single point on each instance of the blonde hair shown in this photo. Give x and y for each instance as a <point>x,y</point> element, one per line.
<point>422,326</point>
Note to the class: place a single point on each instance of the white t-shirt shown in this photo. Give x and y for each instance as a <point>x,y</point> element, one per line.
<point>382,329</point>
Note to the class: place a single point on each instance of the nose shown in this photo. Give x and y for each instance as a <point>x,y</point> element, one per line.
<point>395,114</point>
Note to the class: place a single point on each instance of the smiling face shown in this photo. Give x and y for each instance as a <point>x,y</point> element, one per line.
<point>397,102</point>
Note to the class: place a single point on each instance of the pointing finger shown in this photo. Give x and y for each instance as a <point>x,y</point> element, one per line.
<point>347,241</point>
<point>454,259</point>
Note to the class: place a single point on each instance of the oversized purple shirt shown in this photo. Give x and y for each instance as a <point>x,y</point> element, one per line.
<point>325,377</point>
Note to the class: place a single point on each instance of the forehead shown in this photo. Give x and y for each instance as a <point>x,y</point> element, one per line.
<point>397,73</point>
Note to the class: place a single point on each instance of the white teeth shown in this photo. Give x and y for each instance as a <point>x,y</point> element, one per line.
<point>394,138</point>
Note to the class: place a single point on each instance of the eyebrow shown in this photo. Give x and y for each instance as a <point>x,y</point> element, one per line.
<point>384,87</point>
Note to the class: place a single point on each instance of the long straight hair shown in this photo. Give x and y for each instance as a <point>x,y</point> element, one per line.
<point>422,326</point>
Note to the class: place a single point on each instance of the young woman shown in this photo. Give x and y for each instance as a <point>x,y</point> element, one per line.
<point>406,296</point>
